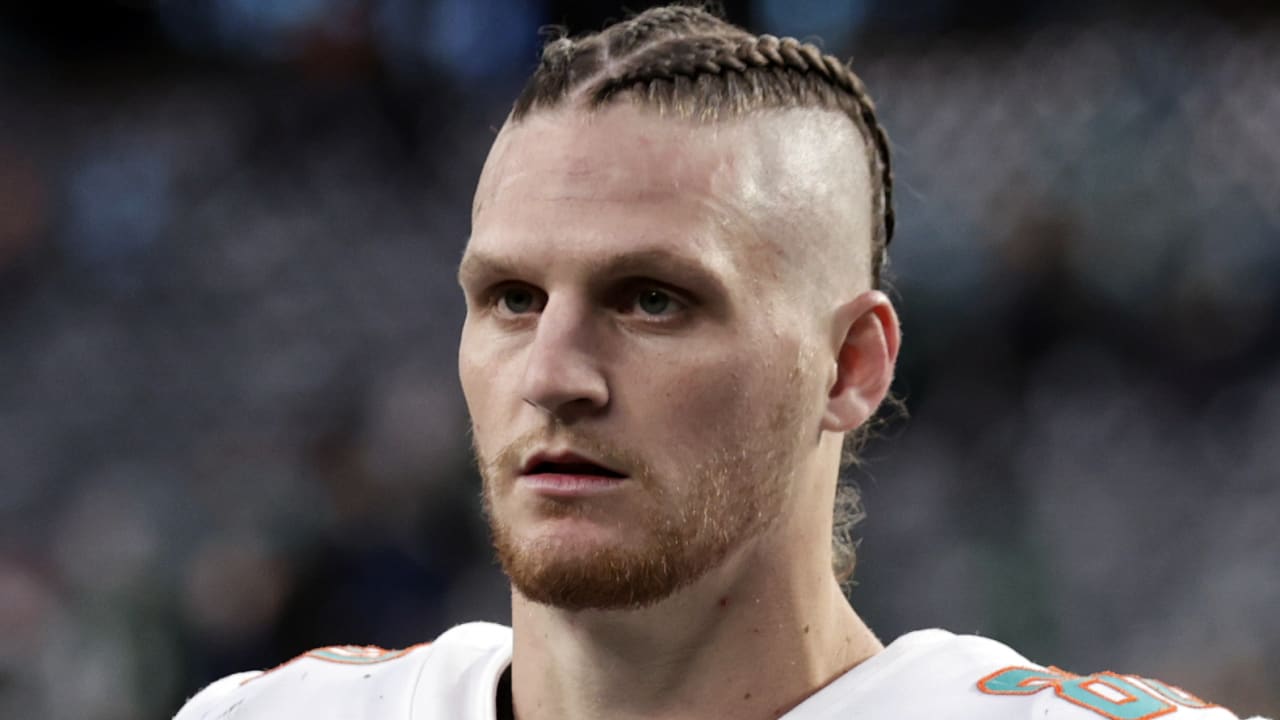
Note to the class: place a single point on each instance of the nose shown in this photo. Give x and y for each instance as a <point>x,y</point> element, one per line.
<point>563,375</point>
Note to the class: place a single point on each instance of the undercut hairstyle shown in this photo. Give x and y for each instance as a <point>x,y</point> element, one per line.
<point>685,61</point>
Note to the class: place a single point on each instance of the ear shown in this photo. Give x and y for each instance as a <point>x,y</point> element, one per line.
<point>865,338</point>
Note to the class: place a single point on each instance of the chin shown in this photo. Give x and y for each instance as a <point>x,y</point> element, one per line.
<point>583,569</point>
<point>566,541</point>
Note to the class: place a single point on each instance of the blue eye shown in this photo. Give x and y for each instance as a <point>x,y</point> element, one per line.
<point>654,302</point>
<point>518,300</point>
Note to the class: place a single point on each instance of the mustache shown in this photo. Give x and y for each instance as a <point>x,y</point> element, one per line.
<point>507,463</point>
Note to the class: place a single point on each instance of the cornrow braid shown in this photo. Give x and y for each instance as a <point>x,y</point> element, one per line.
<point>685,58</point>
<point>723,55</point>
<point>657,22</point>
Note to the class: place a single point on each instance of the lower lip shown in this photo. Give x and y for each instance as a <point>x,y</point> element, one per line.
<point>568,486</point>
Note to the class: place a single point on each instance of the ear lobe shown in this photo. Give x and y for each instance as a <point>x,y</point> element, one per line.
<point>866,336</point>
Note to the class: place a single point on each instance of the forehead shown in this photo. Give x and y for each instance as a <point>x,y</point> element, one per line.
<point>571,179</point>
<point>570,160</point>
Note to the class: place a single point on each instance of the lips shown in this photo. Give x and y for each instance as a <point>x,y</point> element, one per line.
<point>568,474</point>
<point>568,463</point>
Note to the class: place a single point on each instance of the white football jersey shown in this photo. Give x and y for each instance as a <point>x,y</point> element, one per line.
<point>924,675</point>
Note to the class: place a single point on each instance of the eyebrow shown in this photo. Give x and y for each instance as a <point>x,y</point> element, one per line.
<point>478,264</point>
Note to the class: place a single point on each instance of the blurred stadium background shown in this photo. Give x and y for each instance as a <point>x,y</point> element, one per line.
<point>230,428</point>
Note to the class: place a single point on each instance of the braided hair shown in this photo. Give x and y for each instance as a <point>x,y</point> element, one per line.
<point>685,60</point>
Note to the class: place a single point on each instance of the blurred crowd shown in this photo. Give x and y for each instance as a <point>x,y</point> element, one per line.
<point>230,427</point>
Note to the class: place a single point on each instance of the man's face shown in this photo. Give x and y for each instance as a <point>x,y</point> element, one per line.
<point>638,356</point>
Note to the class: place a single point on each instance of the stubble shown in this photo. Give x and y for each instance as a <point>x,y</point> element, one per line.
<point>687,525</point>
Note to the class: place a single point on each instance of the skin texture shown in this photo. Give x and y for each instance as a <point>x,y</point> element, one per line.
<point>689,305</point>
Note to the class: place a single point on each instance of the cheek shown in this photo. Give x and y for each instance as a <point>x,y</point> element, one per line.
<point>740,395</point>
<point>481,387</point>
<point>705,402</point>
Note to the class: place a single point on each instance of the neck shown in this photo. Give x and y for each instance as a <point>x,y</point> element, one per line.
<point>751,639</point>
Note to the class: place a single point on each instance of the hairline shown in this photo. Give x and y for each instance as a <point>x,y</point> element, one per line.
<point>860,276</point>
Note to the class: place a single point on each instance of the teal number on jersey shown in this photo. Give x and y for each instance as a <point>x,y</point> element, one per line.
<point>1113,696</point>
<point>1177,695</point>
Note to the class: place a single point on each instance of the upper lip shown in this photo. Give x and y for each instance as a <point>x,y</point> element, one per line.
<point>563,457</point>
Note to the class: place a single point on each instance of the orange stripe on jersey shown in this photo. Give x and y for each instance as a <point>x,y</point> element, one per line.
<point>344,655</point>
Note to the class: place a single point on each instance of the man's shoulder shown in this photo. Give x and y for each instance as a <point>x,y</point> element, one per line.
<point>934,673</point>
<point>363,681</point>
